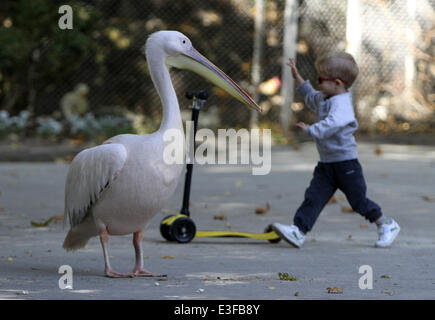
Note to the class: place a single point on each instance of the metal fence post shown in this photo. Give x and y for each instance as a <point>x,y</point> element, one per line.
<point>289,50</point>
<point>257,55</point>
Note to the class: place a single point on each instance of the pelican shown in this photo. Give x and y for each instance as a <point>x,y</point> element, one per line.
<point>117,187</point>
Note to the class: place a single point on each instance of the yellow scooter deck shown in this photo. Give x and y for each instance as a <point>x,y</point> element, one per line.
<point>213,234</point>
<point>262,236</point>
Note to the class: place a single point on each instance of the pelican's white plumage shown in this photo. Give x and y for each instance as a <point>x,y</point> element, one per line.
<point>117,187</point>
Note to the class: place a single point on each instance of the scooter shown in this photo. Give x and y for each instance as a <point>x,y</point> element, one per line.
<point>181,228</point>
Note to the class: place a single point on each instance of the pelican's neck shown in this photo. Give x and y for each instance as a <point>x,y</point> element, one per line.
<point>162,81</point>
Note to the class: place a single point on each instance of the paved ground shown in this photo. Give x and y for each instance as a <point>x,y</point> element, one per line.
<point>401,179</point>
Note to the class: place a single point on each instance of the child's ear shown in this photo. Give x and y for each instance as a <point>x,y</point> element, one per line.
<point>339,83</point>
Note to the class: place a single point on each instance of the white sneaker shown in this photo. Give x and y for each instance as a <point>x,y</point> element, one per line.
<point>387,233</point>
<point>291,234</point>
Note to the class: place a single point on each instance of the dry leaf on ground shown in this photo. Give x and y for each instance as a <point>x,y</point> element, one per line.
<point>378,150</point>
<point>47,222</point>
<point>221,216</point>
<point>427,198</point>
<point>332,200</point>
<point>347,210</point>
<point>260,210</point>
<point>386,291</point>
<point>286,277</point>
<point>41,224</point>
<point>334,290</point>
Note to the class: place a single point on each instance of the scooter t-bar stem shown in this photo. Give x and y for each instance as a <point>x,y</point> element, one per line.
<point>199,99</point>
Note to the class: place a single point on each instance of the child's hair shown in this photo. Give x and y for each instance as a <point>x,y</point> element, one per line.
<point>338,65</point>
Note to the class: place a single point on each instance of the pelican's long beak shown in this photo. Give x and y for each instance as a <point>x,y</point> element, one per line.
<point>194,61</point>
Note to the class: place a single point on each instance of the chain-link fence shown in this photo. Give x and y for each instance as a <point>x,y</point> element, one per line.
<point>98,67</point>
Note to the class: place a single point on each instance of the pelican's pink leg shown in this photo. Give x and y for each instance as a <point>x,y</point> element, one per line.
<point>139,270</point>
<point>108,271</point>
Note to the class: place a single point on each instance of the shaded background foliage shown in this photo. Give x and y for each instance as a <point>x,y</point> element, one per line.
<point>40,64</point>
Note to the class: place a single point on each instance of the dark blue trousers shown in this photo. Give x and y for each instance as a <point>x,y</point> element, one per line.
<point>327,178</point>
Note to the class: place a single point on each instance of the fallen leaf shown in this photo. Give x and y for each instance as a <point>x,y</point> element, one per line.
<point>334,290</point>
<point>378,150</point>
<point>347,210</point>
<point>221,216</point>
<point>362,225</point>
<point>10,259</point>
<point>296,293</point>
<point>41,224</point>
<point>270,287</point>
<point>386,291</point>
<point>332,200</point>
<point>166,257</point>
<point>386,276</point>
<point>260,210</point>
<point>430,199</point>
<point>46,223</point>
<point>286,277</point>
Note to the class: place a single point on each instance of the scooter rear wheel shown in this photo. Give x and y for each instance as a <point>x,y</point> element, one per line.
<point>182,230</point>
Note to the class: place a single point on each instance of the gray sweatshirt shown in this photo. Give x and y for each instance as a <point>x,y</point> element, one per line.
<point>335,124</point>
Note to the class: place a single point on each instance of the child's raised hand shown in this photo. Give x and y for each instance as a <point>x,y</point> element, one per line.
<point>302,125</point>
<point>291,63</point>
<point>295,73</point>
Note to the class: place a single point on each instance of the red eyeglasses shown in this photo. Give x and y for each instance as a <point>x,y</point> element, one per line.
<point>321,79</point>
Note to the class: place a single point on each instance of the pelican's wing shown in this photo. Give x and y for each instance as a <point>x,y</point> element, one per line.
<point>91,171</point>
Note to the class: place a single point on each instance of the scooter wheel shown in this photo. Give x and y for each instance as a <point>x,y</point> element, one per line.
<point>269,229</point>
<point>182,230</point>
<point>164,229</point>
